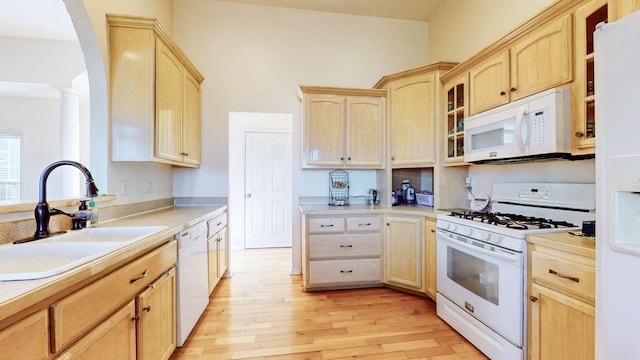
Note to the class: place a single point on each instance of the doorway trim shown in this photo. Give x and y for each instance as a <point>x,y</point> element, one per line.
<point>241,123</point>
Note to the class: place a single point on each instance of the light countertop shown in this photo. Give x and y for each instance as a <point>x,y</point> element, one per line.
<point>371,209</point>
<point>581,245</point>
<point>18,295</point>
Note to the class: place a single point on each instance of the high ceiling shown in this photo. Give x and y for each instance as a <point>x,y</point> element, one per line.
<point>48,19</point>
<point>38,19</point>
<point>417,10</point>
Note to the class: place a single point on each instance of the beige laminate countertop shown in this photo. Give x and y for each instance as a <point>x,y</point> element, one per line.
<point>581,245</point>
<point>18,295</point>
<point>369,209</point>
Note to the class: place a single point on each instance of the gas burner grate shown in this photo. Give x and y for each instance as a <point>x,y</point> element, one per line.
<point>511,221</point>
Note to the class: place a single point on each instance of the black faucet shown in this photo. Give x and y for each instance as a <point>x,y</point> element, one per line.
<point>42,212</point>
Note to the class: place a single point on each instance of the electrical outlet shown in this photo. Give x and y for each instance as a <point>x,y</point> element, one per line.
<point>469,185</point>
<point>124,188</point>
<point>149,186</point>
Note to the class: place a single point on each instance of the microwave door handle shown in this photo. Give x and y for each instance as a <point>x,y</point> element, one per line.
<point>519,123</point>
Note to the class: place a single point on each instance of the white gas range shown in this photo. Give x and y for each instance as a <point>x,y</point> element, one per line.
<point>482,257</point>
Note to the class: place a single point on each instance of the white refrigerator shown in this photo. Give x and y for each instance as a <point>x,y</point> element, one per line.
<point>617,113</point>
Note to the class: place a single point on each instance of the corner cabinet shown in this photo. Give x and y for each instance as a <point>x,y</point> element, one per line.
<point>403,251</point>
<point>342,127</point>
<point>587,17</point>
<point>413,110</point>
<point>561,297</point>
<point>155,95</point>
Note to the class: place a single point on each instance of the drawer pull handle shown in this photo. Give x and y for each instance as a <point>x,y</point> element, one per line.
<point>366,224</point>
<point>218,224</point>
<point>572,278</point>
<point>533,298</point>
<point>141,276</point>
<point>346,271</point>
<point>330,225</point>
<point>346,246</point>
<point>147,308</point>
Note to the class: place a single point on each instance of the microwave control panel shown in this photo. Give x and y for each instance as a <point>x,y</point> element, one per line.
<point>538,126</point>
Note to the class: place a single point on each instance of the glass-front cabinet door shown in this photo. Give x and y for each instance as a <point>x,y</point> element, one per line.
<point>587,18</point>
<point>456,94</point>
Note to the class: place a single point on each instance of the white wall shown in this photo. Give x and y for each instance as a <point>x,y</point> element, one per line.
<point>136,174</point>
<point>462,28</point>
<point>253,58</point>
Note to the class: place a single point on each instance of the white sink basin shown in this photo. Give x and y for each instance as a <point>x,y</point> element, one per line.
<point>57,254</point>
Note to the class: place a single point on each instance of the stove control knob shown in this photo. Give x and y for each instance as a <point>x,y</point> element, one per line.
<point>495,238</point>
<point>481,235</point>
<point>452,227</point>
<point>465,231</point>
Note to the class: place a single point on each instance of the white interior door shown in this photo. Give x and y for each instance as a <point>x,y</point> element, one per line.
<point>268,190</point>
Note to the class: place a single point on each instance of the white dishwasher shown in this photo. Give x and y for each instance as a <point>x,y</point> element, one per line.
<point>193,279</point>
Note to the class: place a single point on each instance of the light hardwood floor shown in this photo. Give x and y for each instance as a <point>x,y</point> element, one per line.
<point>262,313</point>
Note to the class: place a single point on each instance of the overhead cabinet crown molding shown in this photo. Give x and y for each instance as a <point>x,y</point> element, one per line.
<point>155,95</point>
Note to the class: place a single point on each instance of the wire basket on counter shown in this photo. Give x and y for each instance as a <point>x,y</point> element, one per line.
<point>339,188</point>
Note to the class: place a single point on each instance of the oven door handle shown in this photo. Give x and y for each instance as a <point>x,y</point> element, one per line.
<point>512,257</point>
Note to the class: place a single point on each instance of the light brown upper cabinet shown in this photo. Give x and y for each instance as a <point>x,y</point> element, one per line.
<point>489,83</point>
<point>584,121</point>
<point>621,8</point>
<point>539,60</point>
<point>455,93</point>
<point>343,127</point>
<point>413,111</point>
<point>155,95</point>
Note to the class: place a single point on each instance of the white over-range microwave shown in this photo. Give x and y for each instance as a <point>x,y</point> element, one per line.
<point>533,128</point>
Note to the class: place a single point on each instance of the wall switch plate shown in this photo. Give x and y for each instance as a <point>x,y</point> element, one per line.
<point>149,186</point>
<point>124,188</point>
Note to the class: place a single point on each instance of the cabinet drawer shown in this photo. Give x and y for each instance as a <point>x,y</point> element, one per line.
<point>338,272</point>
<point>216,224</point>
<point>81,311</point>
<point>368,223</point>
<point>326,225</point>
<point>341,246</point>
<point>563,273</point>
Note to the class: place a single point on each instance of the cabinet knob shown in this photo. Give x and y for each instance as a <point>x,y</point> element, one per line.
<point>342,158</point>
<point>433,230</point>
<point>513,89</point>
<point>388,224</point>
<point>147,308</point>
<point>579,134</point>
<point>502,93</point>
<point>349,158</point>
<point>393,158</point>
<point>533,298</point>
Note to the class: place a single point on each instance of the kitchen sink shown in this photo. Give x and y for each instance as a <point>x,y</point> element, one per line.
<point>57,254</point>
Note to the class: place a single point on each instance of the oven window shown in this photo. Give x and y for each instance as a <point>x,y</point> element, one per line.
<point>473,273</point>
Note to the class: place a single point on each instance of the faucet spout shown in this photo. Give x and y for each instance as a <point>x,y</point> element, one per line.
<point>42,211</point>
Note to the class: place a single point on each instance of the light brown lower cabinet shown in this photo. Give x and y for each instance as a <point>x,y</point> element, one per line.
<point>561,327</point>
<point>561,298</point>
<point>156,319</point>
<point>430,275</point>
<point>130,313</point>
<point>27,339</point>
<point>114,338</point>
